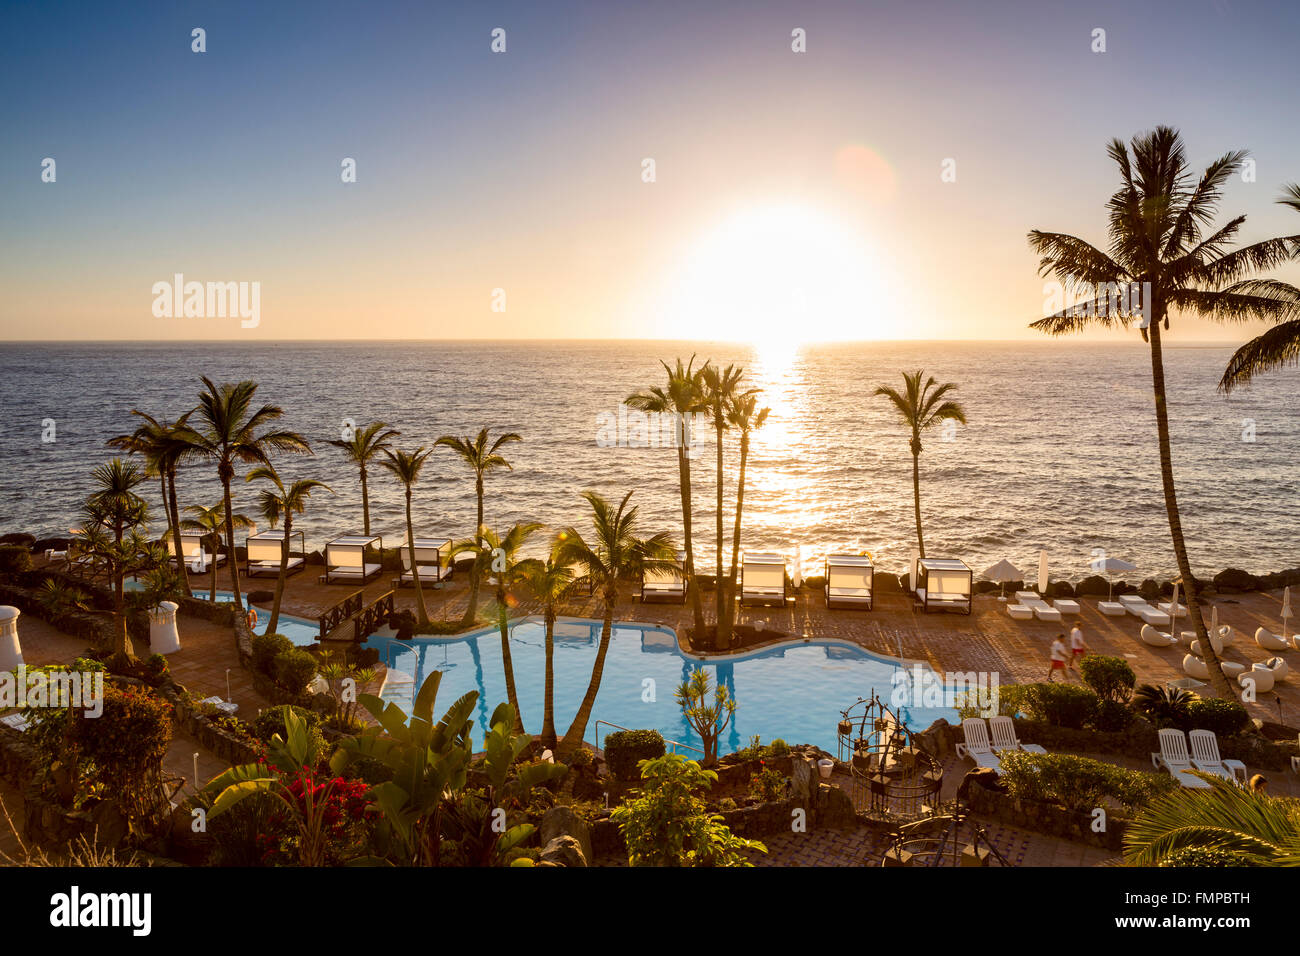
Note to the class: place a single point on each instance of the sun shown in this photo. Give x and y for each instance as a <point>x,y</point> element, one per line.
<point>780,275</point>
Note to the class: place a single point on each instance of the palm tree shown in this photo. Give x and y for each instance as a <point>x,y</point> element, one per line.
<point>282,504</point>
<point>163,445</point>
<point>921,407</point>
<point>211,522</point>
<point>1156,223</point>
<point>366,444</point>
<point>743,415</point>
<point>228,433</point>
<point>615,553</point>
<point>1258,829</point>
<point>499,554</point>
<point>1280,345</point>
<point>721,388</point>
<point>482,458</point>
<point>683,397</point>
<point>406,466</point>
<point>550,582</point>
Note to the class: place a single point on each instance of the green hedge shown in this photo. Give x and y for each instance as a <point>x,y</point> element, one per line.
<point>624,749</point>
<point>266,648</point>
<point>1224,717</point>
<point>1079,783</point>
<point>1110,677</point>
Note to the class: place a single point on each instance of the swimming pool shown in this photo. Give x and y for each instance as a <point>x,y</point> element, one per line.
<point>794,692</point>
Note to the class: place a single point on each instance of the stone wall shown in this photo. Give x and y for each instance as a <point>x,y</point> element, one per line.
<point>1047,818</point>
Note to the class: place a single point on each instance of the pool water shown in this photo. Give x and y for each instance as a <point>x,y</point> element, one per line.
<point>795,692</point>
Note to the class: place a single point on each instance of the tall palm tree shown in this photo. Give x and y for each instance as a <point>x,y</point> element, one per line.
<point>921,407</point>
<point>744,416</point>
<point>162,445</point>
<point>498,554</point>
<point>406,467</point>
<point>211,523</point>
<point>1261,830</point>
<point>1280,345</point>
<point>1156,226</point>
<point>228,432</point>
<point>721,388</point>
<point>277,505</point>
<point>615,553</point>
<point>368,442</point>
<point>550,582</point>
<point>682,397</point>
<point>482,457</point>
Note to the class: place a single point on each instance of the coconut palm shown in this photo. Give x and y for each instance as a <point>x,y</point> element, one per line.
<point>920,407</point>
<point>682,397</point>
<point>549,582</point>
<point>497,555</point>
<point>211,523</point>
<point>482,457</point>
<point>1157,223</point>
<point>406,467</point>
<point>162,445</point>
<point>721,389</point>
<point>1277,347</point>
<point>1258,829</point>
<point>744,416</point>
<point>227,433</point>
<point>367,443</point>
<point>615,553</point>
<point>278,504</point>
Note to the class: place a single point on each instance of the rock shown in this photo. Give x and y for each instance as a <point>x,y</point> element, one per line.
<point>403,622</point>
<point>260,597</point>
<point>1123,587</point>
<point>835,808</point>
<point>986,777</point>
<point>1060,589</point>
<point>1235,580</point>
<point>20,538</point>
<point>1149,589</point>
<point>316,558</point>
<point>41,545</point>
<point>1093,584</point>
<point>888,583</point>
<point>563,851</point>
<point>562,821</point>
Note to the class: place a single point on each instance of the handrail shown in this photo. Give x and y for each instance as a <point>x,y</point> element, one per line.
<point>671,743</point>
<point>344,610</point>
<point>371,617</point>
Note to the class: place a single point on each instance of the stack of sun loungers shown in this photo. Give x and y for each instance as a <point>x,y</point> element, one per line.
<point>1040,608</point>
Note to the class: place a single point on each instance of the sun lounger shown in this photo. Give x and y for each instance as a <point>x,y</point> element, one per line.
<point>345,559</point>
<point>1004,737</point>
<point>1042,610</point>
<point>1270,641</point>
<point>432,560</point>
<point>945,583</point>
<point>1020,612</point>
<point>1168,608</point>
<point>665,585</point>
<point>1157,638</point>
<point>1205,755</point>
<point>264,553</point>
<point>1112,608</point>
<point>850,581</point>
<point>1174,758</point>
<point>16,721</point>
<point>1066,606</point>
<point>762,578</point>
<point>976,745</point>
<point>1137,606</point>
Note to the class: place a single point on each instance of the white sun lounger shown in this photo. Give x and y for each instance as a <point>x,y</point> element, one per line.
<point>762,578</point>
<point>1112,608</point>
<point>850,580</point>
<point>1066,606</point>
<point>1174,757</point>
<point>1004,737</point>
<point>16,721</point>
<point>345,559</point>
<point>1205,756</point>
<point>1020,612</point>
<point>1137,606</point>
<point>1042,610</point>
<point>665,585</point>
<point>1157,638</point>
<point>976,745</point>
<point>430,556</point>
<point>1168,608</point>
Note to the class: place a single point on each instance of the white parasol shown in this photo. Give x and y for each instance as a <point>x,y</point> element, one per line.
<point>1002,572</point>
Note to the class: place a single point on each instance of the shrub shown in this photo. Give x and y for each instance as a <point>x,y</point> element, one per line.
<point>1079,783</point>
<point>1164,706</point>
<point>271,722</point>
<point>294,670</point>
<point>624,749</point>
<point>1112,716</point>
<point>266,648</point>
<point>778,747</point>
<point>1224,717</point>
<point>1064,705</point>
<point>14,558</point>
<point>1204,856</point>
<point>126,745</point>
<point>1110,677</point>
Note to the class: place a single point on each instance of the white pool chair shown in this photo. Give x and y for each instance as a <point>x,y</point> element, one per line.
<point>976,746</point>
<point>1156,638</point>
<point>1205,754</point>
<point>1174,758</point>
<point>1270,641</point>
<point>1004,737</point>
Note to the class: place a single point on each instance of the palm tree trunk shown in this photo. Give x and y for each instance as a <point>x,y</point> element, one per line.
<point>1217,680</point>
<point>282,576</point>
<point>573,736</point>
<point>916,499</point>
<point>720,637</point>
<point>735,537</point>
<point>507,662</point>
<point>230,542</point>
<point>684,478</point>
<point>365,502</point>
<point>174,512</point>
<point>548,697</point>
<point>415,571</point>
<point>212,568</point>
<point>471,609</point>
<point>125,650</point>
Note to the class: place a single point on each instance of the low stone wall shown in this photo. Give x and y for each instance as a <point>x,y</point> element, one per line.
<point>230,748</point>
<point>1047,818</point>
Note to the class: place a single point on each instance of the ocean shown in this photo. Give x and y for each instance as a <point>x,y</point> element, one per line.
<point>1059,453</point>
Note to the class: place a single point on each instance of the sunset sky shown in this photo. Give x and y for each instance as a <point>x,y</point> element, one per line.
<point>796,195</point>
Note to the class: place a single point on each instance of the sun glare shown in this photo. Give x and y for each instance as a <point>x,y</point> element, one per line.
<point>778,276</point>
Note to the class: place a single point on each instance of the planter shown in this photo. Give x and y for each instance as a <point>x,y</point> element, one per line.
<point>825,768</point>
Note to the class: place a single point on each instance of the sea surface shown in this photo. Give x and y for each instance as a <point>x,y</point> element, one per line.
<point>1059,452</point>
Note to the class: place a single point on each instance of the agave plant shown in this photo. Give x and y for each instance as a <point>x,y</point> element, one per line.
<point>1161,704</point>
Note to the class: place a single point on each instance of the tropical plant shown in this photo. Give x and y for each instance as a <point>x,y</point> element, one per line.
<point>1262,830</point>
<point>668,823</point>
<point>615,553</point>
<point>709,718</point>
<point>550,582</point>
<point>482,456</point>
<point>344,680</point>
<point>228,432</point>
<point>406,467</point>
<point>1157,241</point>
<point>682,397</point>
<point>364,444</point>
<point>746,418</point>
<point>1110,678</point>
<point>56,598</point>
<point>1278,346</point>
<point>1161,704</point>
<point>721,392</point>
<point>277,504</point>
<point>211,523</point>
<point>921,406</point>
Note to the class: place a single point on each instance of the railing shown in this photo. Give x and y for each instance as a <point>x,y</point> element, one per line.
<point>341,612</point>
<point>373,616</point>
<point>668,743</point>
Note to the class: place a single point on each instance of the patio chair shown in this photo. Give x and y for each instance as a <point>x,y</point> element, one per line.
<point>976,745</point>
<point>1205,757</point>
<point>1174,758</point>
<point>1004,737</point>
<point>1157,638</point>
<point>1270,641</point>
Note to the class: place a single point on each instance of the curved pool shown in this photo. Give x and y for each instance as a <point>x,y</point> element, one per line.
<point>795,691</point>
